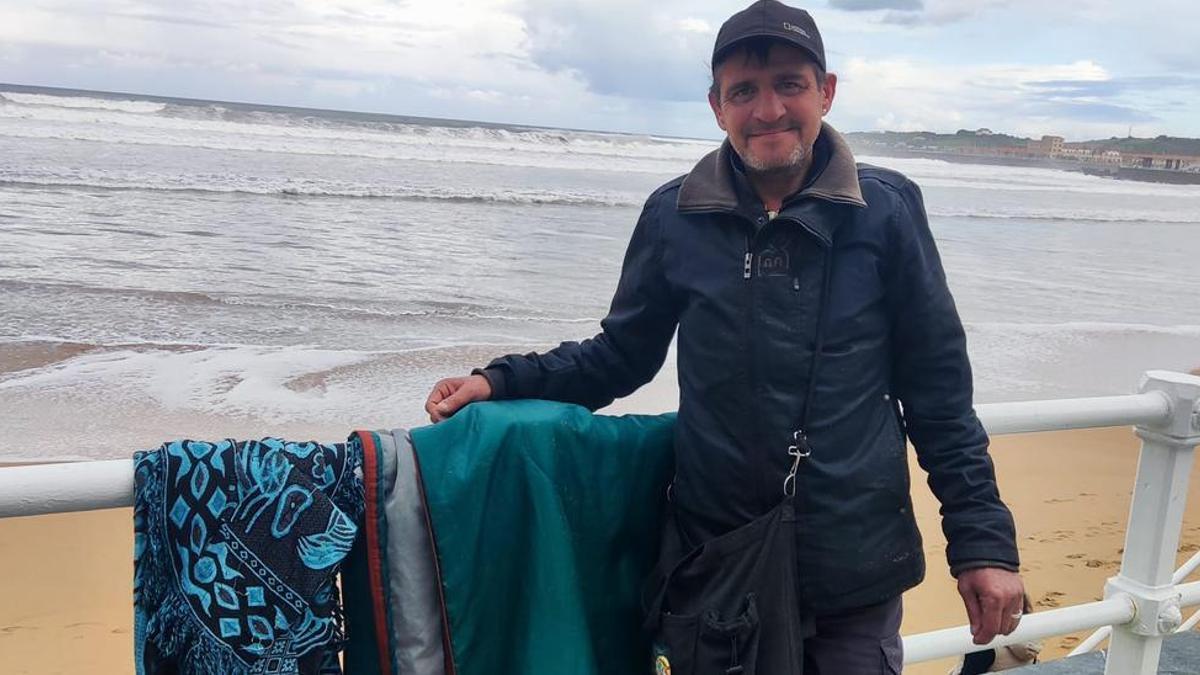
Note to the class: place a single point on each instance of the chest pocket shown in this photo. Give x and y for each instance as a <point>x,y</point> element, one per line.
<point>776,260</point>
<point>788,287</point>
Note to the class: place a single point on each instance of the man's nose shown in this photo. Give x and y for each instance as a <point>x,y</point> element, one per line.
<point>769,107</point>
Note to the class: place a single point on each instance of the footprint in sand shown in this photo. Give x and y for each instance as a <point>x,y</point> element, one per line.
<point>1050,599</point>
<point>1057,500</point>
<point>1075,556</point>
<point>1095,563</point>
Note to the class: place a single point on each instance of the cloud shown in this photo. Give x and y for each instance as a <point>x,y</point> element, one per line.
<point>624,47</point>
<point>1075,99</point>
<point>914,13</point>
<point>1086,111</point>
<point>872,5</point>
<point>624,64</point>
<point>1118,85</point>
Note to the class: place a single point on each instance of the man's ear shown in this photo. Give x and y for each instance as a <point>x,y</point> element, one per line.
<point>828,91</point>
<point>714,102</point>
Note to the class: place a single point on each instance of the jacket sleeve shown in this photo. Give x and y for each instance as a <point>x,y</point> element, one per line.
<point>932,378</point>
<point>628,351</point>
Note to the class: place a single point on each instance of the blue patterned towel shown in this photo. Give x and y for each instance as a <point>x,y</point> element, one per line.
<point>237,544</point>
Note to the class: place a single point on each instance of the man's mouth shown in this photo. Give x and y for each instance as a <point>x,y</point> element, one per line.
<point>775,132</point>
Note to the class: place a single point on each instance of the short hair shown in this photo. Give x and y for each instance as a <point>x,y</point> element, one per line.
<point>758,50</point>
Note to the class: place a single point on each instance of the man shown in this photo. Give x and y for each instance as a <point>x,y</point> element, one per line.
<point>798,282</point>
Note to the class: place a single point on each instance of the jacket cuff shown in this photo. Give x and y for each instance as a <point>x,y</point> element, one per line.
<point>961,567</point>
<point>495,379</point>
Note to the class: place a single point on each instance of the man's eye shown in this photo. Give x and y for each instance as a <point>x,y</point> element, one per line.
<point>741,93</point>
<point>791,87</point>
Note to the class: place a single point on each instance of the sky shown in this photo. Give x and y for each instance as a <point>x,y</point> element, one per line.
<point>1082,69</point>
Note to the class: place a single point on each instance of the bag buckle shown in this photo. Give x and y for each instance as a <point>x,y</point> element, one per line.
<point>798,450</point>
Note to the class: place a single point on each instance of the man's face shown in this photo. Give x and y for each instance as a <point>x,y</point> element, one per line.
<point>772,111</point>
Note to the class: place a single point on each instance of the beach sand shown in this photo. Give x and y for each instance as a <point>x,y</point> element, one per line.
<point>65,580</point>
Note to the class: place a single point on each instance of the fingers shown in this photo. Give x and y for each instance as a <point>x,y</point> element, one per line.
<point>460,397</point>
<point>434,404</point>
<point>990,620</point>
<point>451,394</point>
<point>994,599</point>
<point>974,612</point>
<point>1012,616</point>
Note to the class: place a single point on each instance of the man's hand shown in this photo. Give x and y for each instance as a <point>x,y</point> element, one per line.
<point>994,598</point>
<point>453,393</point>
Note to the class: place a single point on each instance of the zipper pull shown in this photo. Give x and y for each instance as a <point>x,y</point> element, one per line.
<point>748,265</point>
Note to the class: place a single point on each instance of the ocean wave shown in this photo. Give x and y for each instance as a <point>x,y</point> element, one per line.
<point>1170,218</point>
<point>259,129</point>
<point>938,173</point>
<point>421,309</point>
<point>216,373</point>
<point>454,151</point>
<point>1084,328</point>
<point>133,106</point>
<point>231,185</point>
<point>311,189</point>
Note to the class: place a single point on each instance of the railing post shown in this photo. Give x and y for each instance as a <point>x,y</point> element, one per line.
<point>1155,520</point>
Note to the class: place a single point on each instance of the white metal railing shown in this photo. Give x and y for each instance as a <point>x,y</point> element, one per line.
<point>1096,639</point>
<point>1141,605</point>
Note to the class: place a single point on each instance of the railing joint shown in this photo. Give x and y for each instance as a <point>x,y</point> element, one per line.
<point>1156,610</point>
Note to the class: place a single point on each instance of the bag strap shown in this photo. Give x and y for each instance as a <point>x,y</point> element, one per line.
<point>660,580</point>
<point>800,448</point>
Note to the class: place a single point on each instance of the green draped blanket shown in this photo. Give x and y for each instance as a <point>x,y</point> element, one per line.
<point>545,522</point>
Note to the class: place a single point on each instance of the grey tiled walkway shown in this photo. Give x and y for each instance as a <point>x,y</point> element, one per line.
<point>1180,656</point>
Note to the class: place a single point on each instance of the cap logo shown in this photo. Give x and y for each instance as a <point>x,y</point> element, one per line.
<point>795,29</point>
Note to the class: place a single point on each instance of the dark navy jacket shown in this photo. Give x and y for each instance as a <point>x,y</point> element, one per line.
<point>746,294</point>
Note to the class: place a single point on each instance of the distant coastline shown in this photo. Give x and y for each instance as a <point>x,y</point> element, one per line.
<point>1120,173</point>
<point>1158,160</point>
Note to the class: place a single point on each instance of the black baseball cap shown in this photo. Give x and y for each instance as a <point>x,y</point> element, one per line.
<point>770,19</point>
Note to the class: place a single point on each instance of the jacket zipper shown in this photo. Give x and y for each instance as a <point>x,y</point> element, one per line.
<point>748,264</point>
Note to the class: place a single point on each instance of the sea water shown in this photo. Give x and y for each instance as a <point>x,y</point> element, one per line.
<point>177,267</point>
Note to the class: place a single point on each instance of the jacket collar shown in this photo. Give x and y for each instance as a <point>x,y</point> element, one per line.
<point>710,185</point>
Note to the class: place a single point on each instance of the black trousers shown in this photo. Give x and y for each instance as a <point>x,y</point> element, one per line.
<point>863,641</point>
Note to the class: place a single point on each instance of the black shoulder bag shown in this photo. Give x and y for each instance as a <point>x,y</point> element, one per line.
<point>731,605</point>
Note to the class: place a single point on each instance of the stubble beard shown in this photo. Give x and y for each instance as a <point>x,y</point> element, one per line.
<point>793,161</point>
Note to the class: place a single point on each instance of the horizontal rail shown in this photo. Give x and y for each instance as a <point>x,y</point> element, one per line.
<point>84,486</point>
<point>1151,408</point>
<point>65,487</point>
<point>940,644</point>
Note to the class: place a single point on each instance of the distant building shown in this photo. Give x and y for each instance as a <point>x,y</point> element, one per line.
<point>1110,157</point>
<point>1161,161</point>
<point>1052,145</point>
<point>1049,146</point>
<point>983,131</point>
